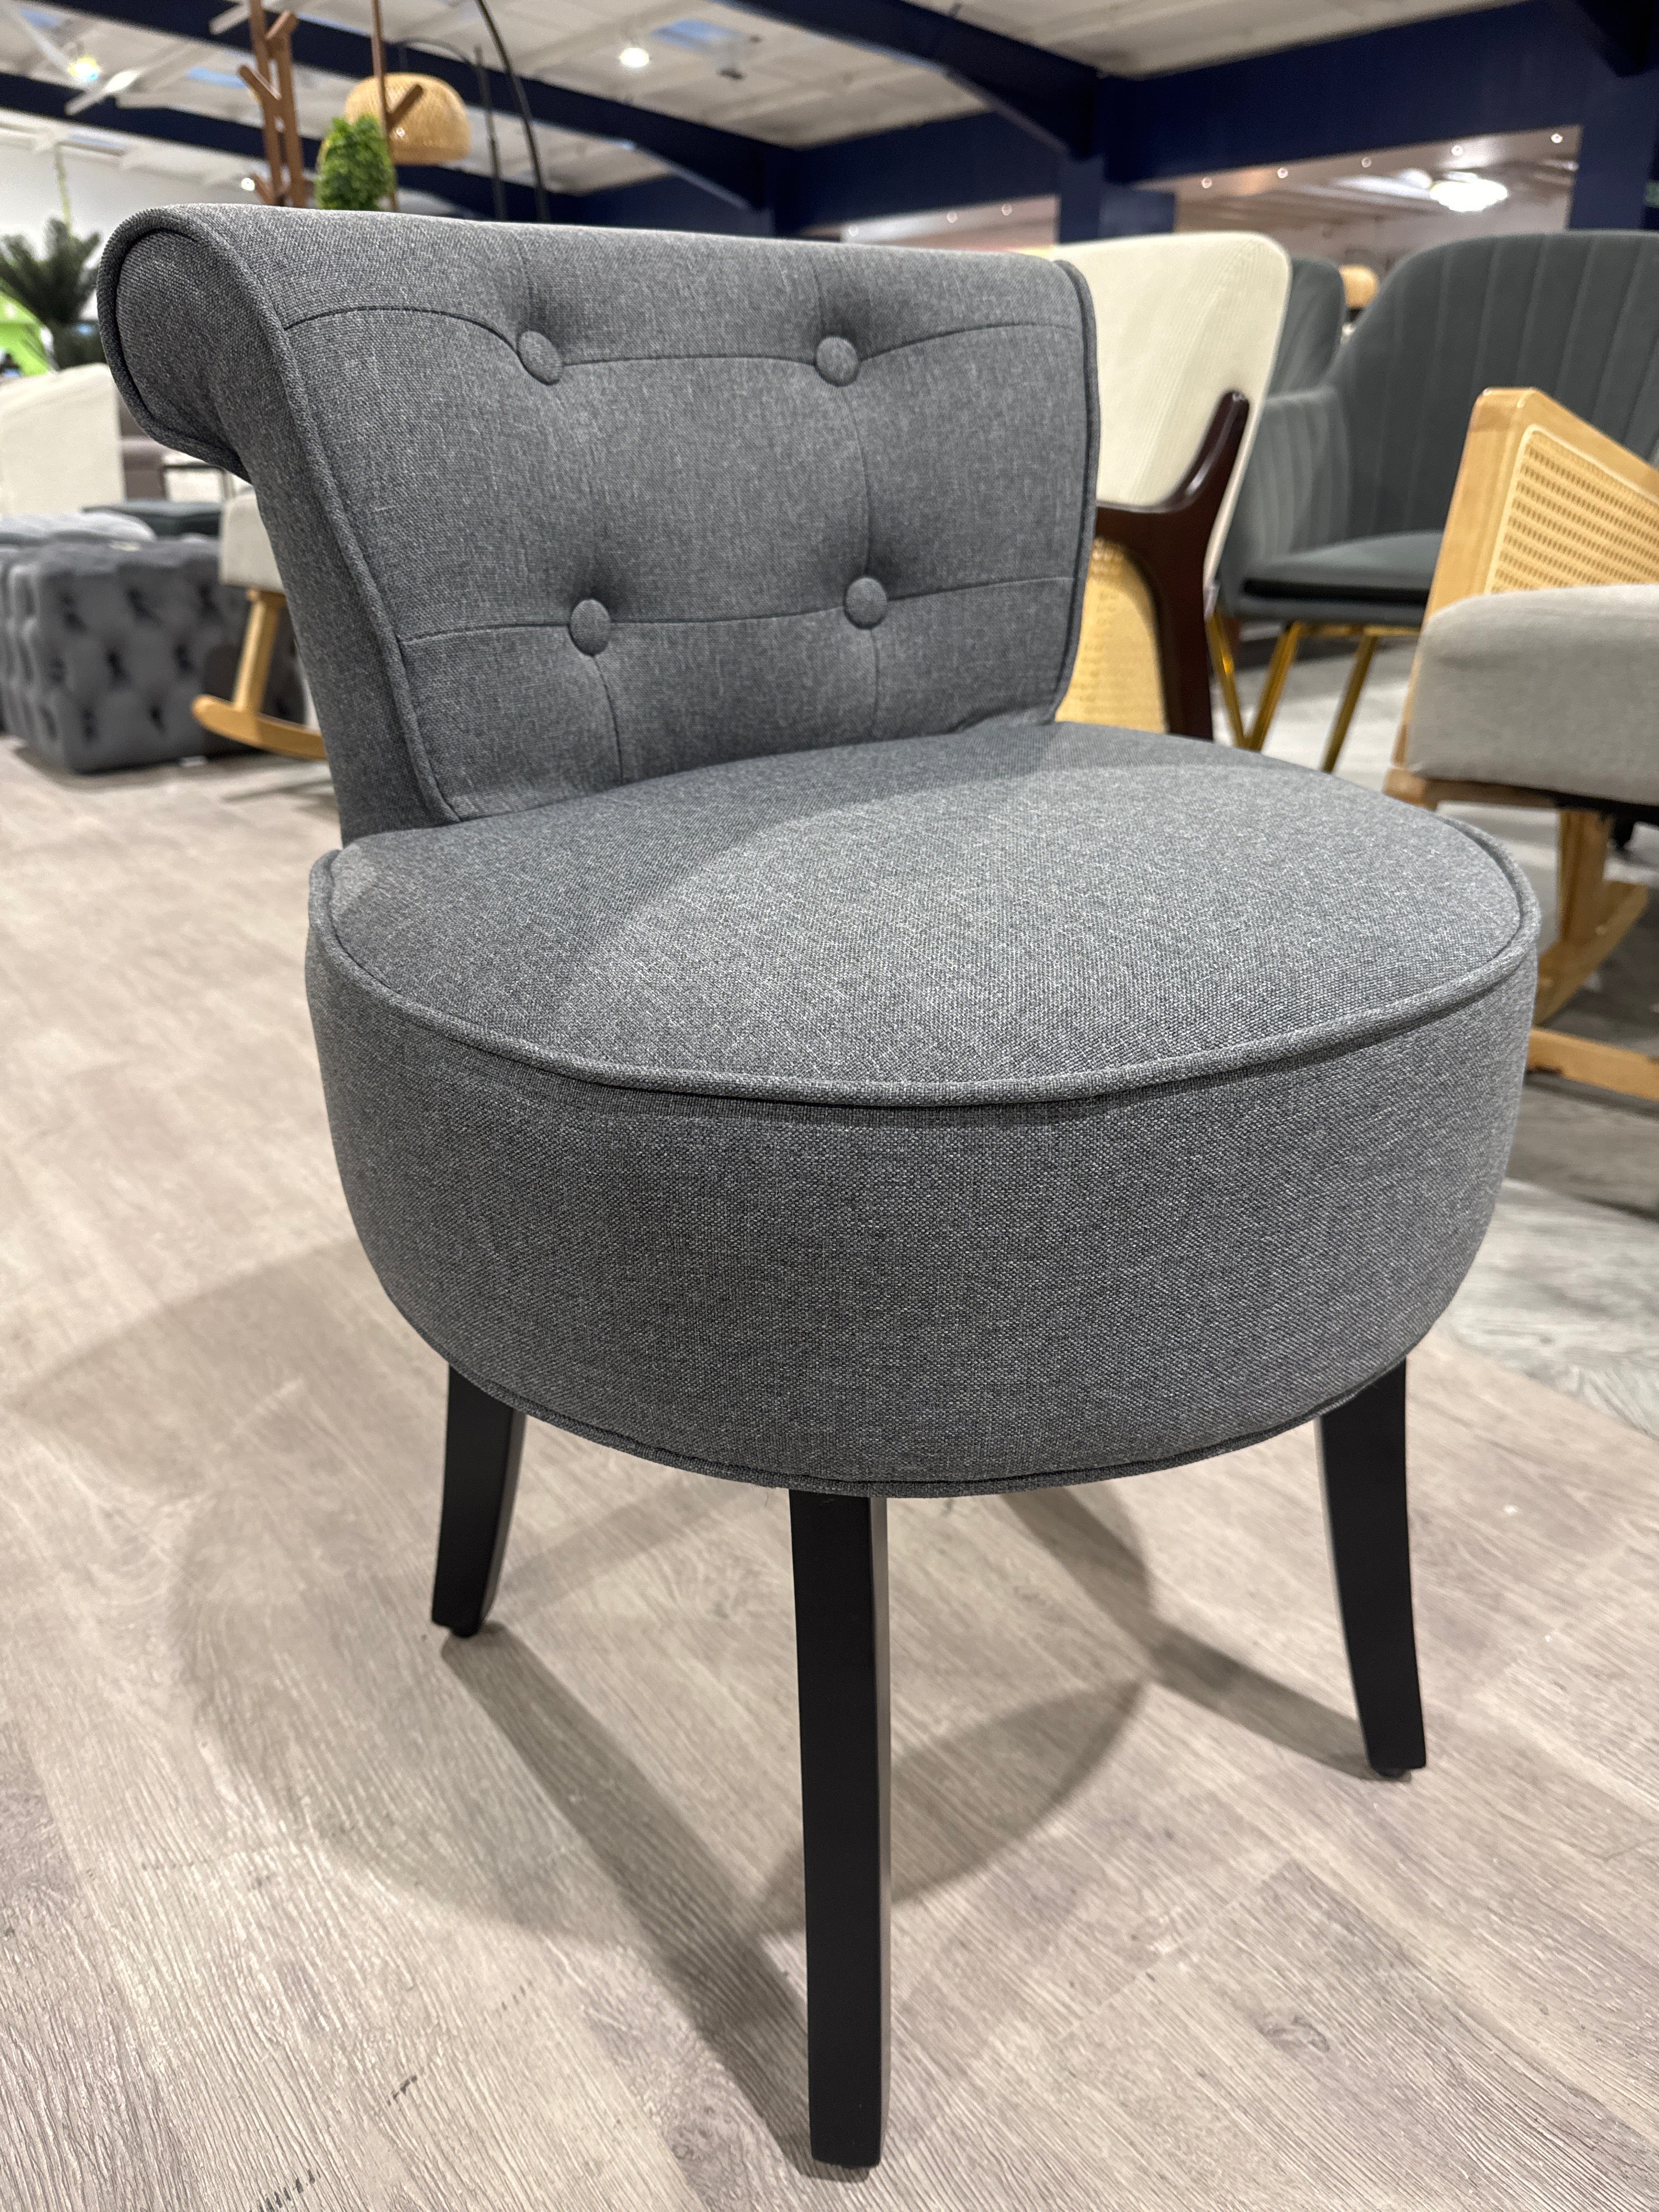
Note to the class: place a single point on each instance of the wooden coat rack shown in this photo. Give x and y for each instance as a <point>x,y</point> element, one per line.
<point>270,80</point>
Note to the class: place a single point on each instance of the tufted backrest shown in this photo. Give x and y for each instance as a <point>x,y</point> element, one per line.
<point>560,508</point>
<point>1574,312</point>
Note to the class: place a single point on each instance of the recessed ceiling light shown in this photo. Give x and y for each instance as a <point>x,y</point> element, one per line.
<point>1466,195</point>
<point>1364,161</point>
<point>1555,138</point>
<point>1456,151</point>
<point>1208,182</point>
<point>1283,173</point>
<point>248,185</point>
<point>1006,207</point>
<point>634,58</point>
<point>84,69</point>
<point>950,218</point>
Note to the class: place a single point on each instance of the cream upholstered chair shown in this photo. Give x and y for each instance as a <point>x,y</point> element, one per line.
<point>60,442</point>
<point>1186,330</point>
<point>245,558</point>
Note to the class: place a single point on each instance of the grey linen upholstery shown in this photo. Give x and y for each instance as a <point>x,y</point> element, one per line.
<point>1316,309</point>
<point>754,1033</point>
<point>1372,451</point>
<point>1555,691</point>
<point>105,638</point>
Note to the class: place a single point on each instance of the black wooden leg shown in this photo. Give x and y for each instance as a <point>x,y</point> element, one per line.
<point>483,1444</point>
<point>840,1547</point>
<point>1362,1451</point>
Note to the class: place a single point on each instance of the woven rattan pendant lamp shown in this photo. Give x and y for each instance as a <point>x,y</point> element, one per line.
<point>429,126</point>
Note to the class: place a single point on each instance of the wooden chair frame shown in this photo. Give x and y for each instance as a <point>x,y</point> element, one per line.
<point>1142,661</point>
<point>242,715</point>
<point>1543,499</point>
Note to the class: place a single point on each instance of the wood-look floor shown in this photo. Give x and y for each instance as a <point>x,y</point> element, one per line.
<point>303,1905</point>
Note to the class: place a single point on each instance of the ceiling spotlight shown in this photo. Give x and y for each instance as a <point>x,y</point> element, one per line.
<point>634,58</point>
<point>1007,208</point>
<point>1466,195</point>
<point>1283,173</point>
<point>1456,151</point>
<point>1364,161</point>
<point>1206,182</point>
<point>248,185</point>
<point>950,218</point>
<point>1555,138</point>
<point>84,69</point>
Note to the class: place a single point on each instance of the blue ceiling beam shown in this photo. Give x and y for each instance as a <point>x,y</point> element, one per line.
<point>1046,94</point>
<point>723,162</point>
<point>1620,31</point>
<point>179,126</point>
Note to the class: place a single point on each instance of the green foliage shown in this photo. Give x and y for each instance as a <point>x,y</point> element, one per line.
<point>354,169</point>
<point>55,287</point>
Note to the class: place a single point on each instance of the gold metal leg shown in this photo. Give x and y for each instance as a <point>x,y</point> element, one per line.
<point>1286,648</point>
<point>1221,652</point>
<point>1344,714</point>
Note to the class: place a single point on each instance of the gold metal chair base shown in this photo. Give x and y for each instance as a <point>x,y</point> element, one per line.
<point>1286,646</point>
<point>241,716</point>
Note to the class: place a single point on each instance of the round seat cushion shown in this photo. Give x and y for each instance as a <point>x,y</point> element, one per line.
<point>1025,1104</point>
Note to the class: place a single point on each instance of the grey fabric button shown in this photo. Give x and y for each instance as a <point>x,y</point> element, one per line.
<point>865,602</point>
<point>541,356</point>
<point>590,626</point>
<point>836,360</point>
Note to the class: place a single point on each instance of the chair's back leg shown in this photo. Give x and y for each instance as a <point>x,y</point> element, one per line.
<point>483,1442</point>
<point>840,1547</point>
<point>1362,1451</point>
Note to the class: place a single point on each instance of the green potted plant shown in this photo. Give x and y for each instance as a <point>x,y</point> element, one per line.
<point>54,287</point>
<point>354,169</point>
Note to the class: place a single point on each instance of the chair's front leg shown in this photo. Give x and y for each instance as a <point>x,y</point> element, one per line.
<point>839,1548</point>
<point>483,1442</point>
<point>1362,1451</point>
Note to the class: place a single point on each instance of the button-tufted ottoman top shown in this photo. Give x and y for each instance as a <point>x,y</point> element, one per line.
<point>1011,1106</point>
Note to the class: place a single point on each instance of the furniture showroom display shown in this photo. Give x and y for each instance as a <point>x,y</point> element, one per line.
<point>1337,529</point>
<point>756,1035</point>
<point>1186,331</point>
<point>1537,680</point>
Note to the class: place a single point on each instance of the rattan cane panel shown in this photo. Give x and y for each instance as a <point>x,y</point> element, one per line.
<point>1116,679</point>
<point>1569,519</point>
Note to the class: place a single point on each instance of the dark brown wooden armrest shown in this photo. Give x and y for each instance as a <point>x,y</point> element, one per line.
<point>1168,543</point>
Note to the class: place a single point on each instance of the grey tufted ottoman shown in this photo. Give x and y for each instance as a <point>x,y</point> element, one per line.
<point>754,1034</point>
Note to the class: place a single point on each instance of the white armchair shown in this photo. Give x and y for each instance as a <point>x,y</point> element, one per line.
<point>60,442</point>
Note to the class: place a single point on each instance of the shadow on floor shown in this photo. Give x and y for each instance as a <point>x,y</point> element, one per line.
<point>1114,1576</point>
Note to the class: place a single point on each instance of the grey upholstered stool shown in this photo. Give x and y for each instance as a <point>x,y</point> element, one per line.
<point>755,1034</point>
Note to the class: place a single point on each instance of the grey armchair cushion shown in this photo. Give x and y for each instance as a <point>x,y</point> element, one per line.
<point>958,1113</point>
<point>1370,579</point>
<point>564,579</point>
<point>1555,691</point>
<point>1373,451</point>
